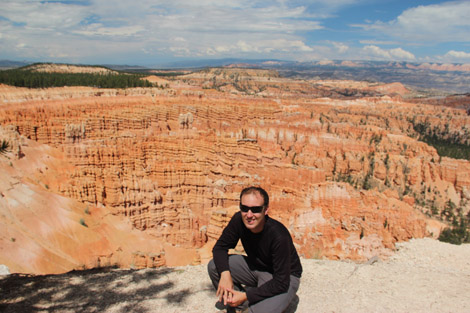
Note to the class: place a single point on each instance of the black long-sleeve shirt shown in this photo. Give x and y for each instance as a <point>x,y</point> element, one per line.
<point>272,250</point>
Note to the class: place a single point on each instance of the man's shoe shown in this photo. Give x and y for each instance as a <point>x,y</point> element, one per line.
<point>220,306</point>
<point>225,308</point>
<point>234,310</point>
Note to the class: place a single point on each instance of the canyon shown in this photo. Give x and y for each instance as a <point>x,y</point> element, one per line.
<point>148,177</point>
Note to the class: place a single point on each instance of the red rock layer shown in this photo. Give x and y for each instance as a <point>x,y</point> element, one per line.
<point>344,175</point>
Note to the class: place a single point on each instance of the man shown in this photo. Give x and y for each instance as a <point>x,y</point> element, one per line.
<point>268,277</point>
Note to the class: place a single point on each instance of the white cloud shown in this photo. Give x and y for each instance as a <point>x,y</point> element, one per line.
<point>401,54</point>
<point>96,30</point>
<point>222,49</point>
<point>378,53</point>
<point>244,47</point>
<point>215,28</point>
<point>378,42</point>
<point>454,56</point>
<point>341,47</point>
<point>43,15</point>
<point>286,45</point>
<point>180,27</point>
<point>375,51</point>
<point>278,46</point>
<point>458,54</point>
<point>445,22</point>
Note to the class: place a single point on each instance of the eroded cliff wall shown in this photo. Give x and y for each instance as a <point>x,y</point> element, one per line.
<point>345,174</point>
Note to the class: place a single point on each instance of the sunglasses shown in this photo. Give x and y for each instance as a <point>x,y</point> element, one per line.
<point>254,209</point>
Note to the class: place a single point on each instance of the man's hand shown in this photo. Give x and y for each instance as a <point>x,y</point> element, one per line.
<point>237,298</point>
<point>225,284</point>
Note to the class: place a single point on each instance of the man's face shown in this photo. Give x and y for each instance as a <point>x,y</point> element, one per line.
<point>253,221</point>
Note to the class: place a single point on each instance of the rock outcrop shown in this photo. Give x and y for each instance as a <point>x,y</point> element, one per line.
<point>345,174</point>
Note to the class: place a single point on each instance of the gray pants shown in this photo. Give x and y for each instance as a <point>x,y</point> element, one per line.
<point>242,275</point>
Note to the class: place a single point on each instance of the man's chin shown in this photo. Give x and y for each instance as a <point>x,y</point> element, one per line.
<point>250,225</point>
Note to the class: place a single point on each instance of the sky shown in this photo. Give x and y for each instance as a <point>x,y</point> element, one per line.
<point>151,32</point>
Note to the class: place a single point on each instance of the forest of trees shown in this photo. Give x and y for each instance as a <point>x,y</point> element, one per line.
<point>447,144</point>
<point>448,148</point>
<point>31,79</point>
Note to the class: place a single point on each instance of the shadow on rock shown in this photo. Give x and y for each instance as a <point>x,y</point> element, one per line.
<point>94,290</point>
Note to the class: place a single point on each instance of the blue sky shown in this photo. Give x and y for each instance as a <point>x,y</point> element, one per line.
<point>150,32</point>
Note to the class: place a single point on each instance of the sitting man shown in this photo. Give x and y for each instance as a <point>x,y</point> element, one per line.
<point>268,278</point>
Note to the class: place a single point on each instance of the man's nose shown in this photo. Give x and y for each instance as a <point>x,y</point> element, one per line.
<point>249,213</point>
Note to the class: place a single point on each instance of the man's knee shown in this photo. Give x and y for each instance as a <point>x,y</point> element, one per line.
<point>213,274</point>
<point>211,266</point>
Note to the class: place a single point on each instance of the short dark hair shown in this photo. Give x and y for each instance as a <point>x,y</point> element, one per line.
<point>253,190</point>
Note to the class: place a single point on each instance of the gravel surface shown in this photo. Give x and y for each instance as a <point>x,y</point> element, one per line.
<point>424,275</point>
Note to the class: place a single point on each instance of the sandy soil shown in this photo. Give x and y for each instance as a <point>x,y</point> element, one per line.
<point>423,276</point>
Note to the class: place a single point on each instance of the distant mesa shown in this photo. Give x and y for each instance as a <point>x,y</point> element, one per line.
<point>68,68</point>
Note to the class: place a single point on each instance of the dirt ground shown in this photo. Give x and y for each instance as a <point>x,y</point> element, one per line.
<point>424,275</point>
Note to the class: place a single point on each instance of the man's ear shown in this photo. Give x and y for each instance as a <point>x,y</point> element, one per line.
<point>266,210</point>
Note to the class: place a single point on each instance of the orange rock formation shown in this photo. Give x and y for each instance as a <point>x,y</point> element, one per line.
<point>155,174</point>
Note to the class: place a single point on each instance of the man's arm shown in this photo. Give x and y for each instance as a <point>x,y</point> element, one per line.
<point>225,288</point>
<point>227,240</point>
